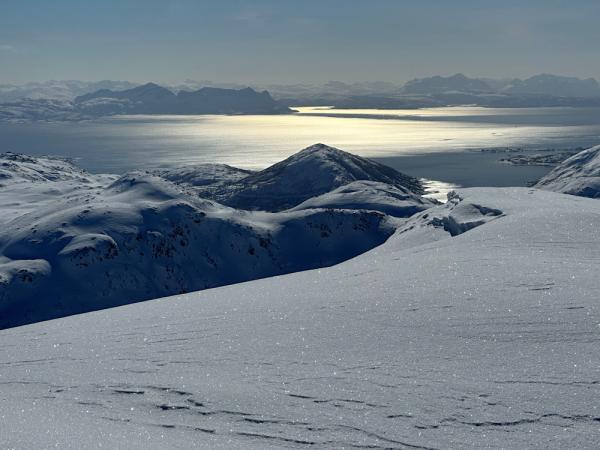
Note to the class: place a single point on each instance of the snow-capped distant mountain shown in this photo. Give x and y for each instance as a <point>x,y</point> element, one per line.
<point>577,175</point>
<point>314,171</point>
<point>538,91</point>
<point>147,93</point>
<point>439,85</point>
<point>555,86</point>
<point>57,90</point>
<point>37,109</point>
<point>73,242</point>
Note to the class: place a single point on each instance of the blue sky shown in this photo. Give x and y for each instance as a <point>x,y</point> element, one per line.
<point>288,41</point>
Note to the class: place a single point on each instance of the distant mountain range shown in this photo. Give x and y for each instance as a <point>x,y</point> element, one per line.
<point>149,98</point>
<point>544,85</point>
<point>439,85</point>
<point>64,90</point>
<point>154,99</point>
<point>537,91</point>
<point>72,100</point>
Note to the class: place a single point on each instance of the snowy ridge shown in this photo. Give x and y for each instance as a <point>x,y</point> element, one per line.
<point>212,181</point>
<point>16,167</point>
<point>453,218</point>
<point>371,195</point>
<point>485,339</point>
<point>75,242</point>
<point>203,174</point>
<point>578,175</point>
<point>30,183</point>
<point>142,238</point>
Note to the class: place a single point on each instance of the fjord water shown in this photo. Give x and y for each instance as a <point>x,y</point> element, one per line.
<point>119,144</point>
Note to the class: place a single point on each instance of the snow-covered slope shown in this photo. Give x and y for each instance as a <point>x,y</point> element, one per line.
<point>578,175</point>
<point>555,85</point>
<point>202,174</point>
<point>30,183</point>
<point>73,242</point>
<point>37,109</point>
<point>211,181</point>
<point>485,339</point>
<point>314,171</point>
<point>143,237</point>
<point>370,195</point>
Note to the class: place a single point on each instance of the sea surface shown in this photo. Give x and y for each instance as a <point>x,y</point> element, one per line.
<point>437,143</point>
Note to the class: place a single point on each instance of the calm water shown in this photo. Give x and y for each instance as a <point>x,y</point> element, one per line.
<point>124,143</point>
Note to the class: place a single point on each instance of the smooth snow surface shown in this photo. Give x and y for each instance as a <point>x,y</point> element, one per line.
<point>578,175</point>
<point>370,195</point>
<point>475,326</point>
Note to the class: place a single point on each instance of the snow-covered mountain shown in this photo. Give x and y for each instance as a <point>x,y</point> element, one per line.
<point>439,85</point>
<point>474,326</point>
<point>555,86</point>
<point>65,90</point>
<point>148,93</point>
<point>73,242</point>
<point>37,109</point>
<point>77,100</point>
<point>314,171</point>
<point>578,175</point>
<point>30,183</point>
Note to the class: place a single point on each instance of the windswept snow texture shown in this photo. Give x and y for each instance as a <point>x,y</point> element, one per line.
<point>485,335</point>
<point>578,175</point>
<point>74,242</point>
<point>314,171</point>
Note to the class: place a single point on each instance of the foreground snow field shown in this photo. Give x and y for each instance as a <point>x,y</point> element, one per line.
<point>475,326</point>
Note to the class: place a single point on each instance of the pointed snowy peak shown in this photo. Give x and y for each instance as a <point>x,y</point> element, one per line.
<point>314,171</point>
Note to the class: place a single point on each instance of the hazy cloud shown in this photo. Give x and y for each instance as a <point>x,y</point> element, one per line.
<point>7,48</point>
<point>253,16</point>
